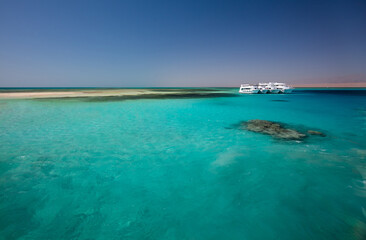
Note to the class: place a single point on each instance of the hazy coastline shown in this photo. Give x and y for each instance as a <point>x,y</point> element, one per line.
<point>141,93</point>
<point>331,85</point>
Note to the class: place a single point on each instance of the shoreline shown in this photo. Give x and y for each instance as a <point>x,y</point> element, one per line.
<point>113,94</point>
<point>331,85</point>
<point>138,93</point>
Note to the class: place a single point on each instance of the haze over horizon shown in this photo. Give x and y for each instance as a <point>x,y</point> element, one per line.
<point>180,43</point>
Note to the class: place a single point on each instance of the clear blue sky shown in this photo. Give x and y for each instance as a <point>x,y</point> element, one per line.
<point>180,43</point>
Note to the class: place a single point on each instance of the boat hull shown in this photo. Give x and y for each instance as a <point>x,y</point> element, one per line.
<point>264,91</point>
<point>274,91</point>
<point>250,92</point>
<point>287,90</point>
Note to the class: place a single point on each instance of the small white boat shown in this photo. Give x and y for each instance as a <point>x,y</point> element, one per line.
<point>249,89</point>
<point>272,88</point>
<point>283,87</point>
<point>263,88</point>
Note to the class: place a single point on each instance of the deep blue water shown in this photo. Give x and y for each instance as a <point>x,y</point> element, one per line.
<point>182,169</point>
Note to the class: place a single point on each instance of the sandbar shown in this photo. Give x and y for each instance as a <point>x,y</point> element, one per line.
<point>112,94</point>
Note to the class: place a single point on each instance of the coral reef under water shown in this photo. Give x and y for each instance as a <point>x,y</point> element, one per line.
<point>277,130</point>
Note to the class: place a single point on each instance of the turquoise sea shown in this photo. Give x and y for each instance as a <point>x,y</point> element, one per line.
<point>183,169</point>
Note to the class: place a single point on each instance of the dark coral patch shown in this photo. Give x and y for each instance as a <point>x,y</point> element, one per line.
<point>279,130</point>
<point>273,129</point>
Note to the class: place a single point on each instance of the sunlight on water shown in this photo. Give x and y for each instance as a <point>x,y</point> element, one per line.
<point>183,169</point>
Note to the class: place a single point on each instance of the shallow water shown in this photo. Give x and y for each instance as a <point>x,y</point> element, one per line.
<point>182,169</point>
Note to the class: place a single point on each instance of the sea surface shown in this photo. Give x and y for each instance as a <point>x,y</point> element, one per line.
<point>183,168</point>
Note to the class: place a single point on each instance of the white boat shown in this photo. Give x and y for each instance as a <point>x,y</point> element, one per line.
<point>283,87</point>
<point>249,89</point>
<point>263,87</point>
<point>272,88</point>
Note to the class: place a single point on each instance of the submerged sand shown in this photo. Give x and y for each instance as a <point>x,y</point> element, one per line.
<point>113,94</point>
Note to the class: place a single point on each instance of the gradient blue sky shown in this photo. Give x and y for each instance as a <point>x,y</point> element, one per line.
<point>180,43</point>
